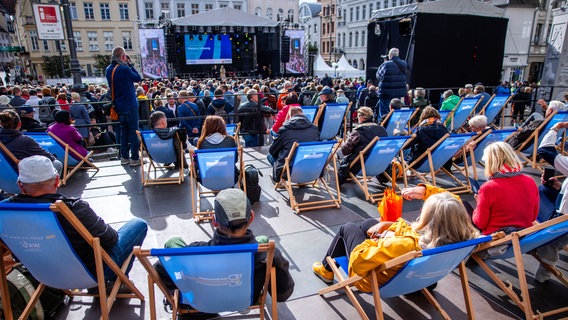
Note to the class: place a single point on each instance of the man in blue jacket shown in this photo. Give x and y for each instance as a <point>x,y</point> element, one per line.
<point>121,75</point>
<point>392,80</point>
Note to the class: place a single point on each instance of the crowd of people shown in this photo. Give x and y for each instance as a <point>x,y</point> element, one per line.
<point>196,112</point>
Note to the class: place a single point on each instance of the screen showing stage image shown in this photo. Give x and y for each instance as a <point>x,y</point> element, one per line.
<point>153,53</point>
<point>296,64</point>
<point>208,49</point>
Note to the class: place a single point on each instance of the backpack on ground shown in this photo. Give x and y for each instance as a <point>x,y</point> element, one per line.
<point>21,286</point>
<point>524,133</point>
<point>253,188</point>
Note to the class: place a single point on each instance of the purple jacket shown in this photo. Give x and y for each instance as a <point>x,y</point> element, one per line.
<point>69,135</point>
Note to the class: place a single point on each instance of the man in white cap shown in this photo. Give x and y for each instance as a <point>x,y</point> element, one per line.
<point>233,215</point>
<point>38,181</point>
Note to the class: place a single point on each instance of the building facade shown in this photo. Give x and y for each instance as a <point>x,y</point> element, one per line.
<point>310,22</point>
<point>277,10</point>
<point>98,26</point>
<point>150,11</point>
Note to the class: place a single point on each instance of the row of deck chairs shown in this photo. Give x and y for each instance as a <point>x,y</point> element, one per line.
<point>221,278</point>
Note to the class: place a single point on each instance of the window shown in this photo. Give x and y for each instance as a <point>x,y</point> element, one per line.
<point>105,11</point>
<point>109,40</point>
<point>291,15</point>
<point>350,39</point>
<point>126,40</point>
<point>62,45</point>
<point>537,33</point>
<point>45,45</point>
<point>33,40</point>
<point>208,6</point>
<point>332,27</point>
<point>357,14</point>
<point>238,6</point>
<point>149,10</point>
<point>180,10</point>
<point>165,6</point>
<point>89,12</point>
<point>363,38</point>
<point>258,11</point>
<point>123,8</point>
<point>269,13</point>
<point>223,5</point>
<point>370,10</point>
<point>93,41</point>
<point>339,40</point>
<point>194,8</point>
<point>315,29</point>
<point>280,15</point>
<point>78,41</point>
<point>364,12</point>
<point>73,10</point>
<point>350,14</point>
<point>385,4</point>
<point>356,38</point>
<point>343,36</point>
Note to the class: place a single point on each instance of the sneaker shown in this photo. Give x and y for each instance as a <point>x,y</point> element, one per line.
<point>124,161</point>
<point>135,163</point>
<point>321,272</point>
<point>112,150</point>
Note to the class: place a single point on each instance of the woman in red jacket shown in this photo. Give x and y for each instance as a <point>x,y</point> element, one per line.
<point>509,200</point>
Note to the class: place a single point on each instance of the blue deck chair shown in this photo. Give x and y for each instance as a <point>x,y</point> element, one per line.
<point>310,112</point>
<point>495,105</point>
<point>32,231</point>
<point>437,155</point>
<point>211,279</point>
<point>159,152</point>
<point>523,242</point>
<point>483,141</point>
<point>305,165</point>
<point>398,119</point>
<point>64,153</point>
<point>233,131</point>
<point>334,115</point>
<point>419,270</point>
<point>217,171</point>
<point>461,112</point>
<point>9,176</point>
<point>374,160</point>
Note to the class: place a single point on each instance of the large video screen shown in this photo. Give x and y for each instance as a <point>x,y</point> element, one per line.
<point>296,64</point>
<point>153,52</point>
<point>208,49</point>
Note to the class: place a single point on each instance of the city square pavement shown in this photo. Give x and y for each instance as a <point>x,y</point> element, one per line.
<point>117,195</point>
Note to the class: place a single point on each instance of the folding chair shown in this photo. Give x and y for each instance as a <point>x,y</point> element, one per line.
<point>33,232</point>
<point>419,270</point>
<point>444,114</point>
<point>495,105</point>
<point>437,155</point>
<point>398,119</point>
<point>461,112</point>
<point>304,166</point>
<point>483,141</point>
<point>217,172</point>
<point>333,116</point>
<point>233,131</point>
<point>375,159</point>
<point>211,279</point>
<point>9,176</point>
<point>158,152</point>
<point>310,112</point>
<point>64,153</point>
<point>522,242</point>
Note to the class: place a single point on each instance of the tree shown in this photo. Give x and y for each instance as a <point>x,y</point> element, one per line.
<point>52,65</point>
<point>102,61</point>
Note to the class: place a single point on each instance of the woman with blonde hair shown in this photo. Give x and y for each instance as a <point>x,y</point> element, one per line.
<point>443,220</point>
<point>509,200</point>
<point>214,134</point>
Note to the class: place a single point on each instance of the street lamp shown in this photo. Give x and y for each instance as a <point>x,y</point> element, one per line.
<point>75,66</point>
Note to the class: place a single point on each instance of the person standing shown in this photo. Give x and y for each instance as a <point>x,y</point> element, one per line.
<point>392,80</point>
<point>121,75</point>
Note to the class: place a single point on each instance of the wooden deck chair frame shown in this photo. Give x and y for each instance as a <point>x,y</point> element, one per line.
<point>101,256</point>
<point>236,132</point>
<point>69,169</point>
<point>479,143</point>
<point>457,109</point>
<point>173,299</point>
<point>9,156</point>
<point>387,121</point>
<point>195,186</point>
<point>149,172</point>
<point>531,144</point>
<point>321,109</point>
<point>462,187</point>
<point>514,239</point>
<point>362,181</point>
<point>404,260</point>
<point>285,181</point>
<point>489,103</point>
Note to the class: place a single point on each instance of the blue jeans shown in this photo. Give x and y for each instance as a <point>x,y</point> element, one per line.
<point>548,198</point>
<point>384,106</point>
<point>129,235</point>
<point>128,139</point>
<point>251,140</point>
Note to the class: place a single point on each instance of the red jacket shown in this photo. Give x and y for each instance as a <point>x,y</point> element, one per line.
<point>506,202</point>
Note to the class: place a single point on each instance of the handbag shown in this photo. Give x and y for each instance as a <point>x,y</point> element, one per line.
<point>390,207</point>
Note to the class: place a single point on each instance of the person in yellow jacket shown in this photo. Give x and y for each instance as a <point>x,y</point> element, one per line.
<point>443,220</point>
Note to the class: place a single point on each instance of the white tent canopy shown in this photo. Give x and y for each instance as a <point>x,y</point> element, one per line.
<point>224,17</point>
<point>321,67</point>
<point>345,70</point>
<point>466,7</point>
